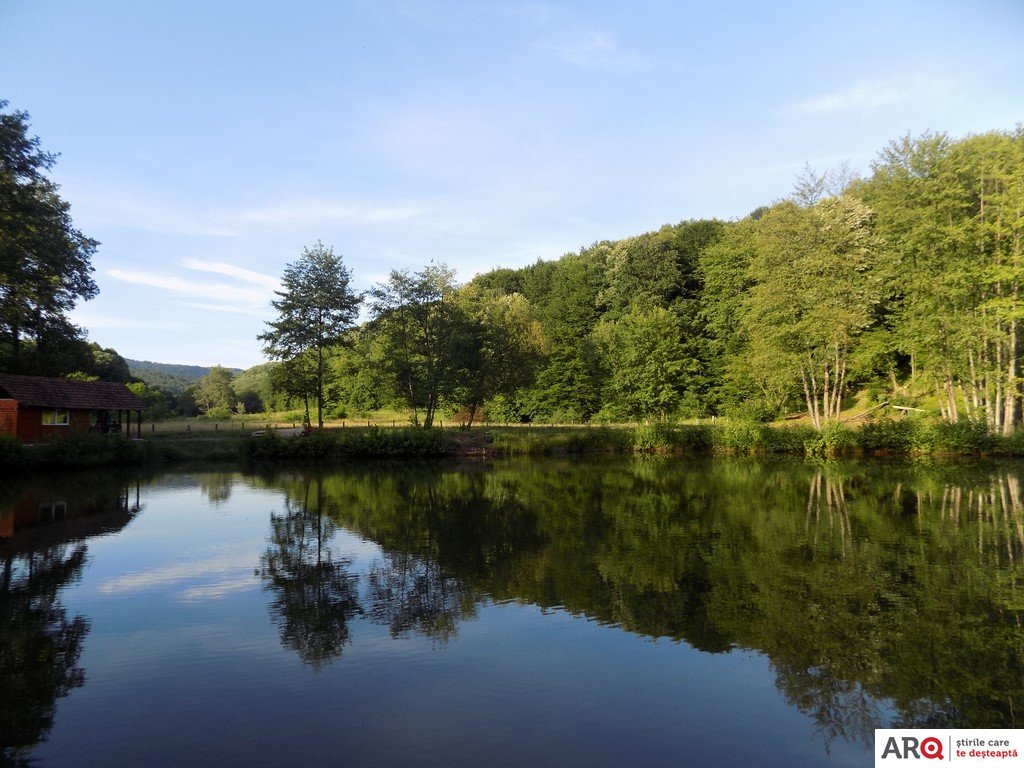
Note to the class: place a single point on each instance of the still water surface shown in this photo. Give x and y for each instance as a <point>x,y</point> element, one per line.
<point>627,612</point>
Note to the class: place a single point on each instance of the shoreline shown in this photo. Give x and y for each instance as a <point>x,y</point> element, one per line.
<point>896,439</point>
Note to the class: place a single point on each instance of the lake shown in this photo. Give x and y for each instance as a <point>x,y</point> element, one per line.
<point>604,611</point>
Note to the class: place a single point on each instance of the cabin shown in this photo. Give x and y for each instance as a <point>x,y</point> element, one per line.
<point>35,408</point>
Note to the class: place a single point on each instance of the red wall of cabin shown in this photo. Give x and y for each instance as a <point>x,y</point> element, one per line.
<point>32,430</point>
<point>8,417</point>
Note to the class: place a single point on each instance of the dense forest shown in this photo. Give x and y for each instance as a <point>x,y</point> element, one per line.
<point>901,287</point>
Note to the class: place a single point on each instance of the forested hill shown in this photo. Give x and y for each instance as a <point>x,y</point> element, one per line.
<point>907,283</point>
<point>904,288</point>
<point>170,377</point>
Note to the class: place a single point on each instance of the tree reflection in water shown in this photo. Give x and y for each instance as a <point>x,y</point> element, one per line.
<point>315,597</point>
<point>409,594</point>
<point>39,645</point>
<point>42,551</point>
<point>882,594</point>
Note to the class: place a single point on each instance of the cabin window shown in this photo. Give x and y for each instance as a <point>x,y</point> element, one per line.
<point>56,417</point>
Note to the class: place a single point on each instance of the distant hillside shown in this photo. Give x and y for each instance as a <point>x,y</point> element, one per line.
<point>168,376</point>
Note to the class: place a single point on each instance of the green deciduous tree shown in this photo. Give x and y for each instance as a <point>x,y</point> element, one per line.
<point>213,392</point>
<point>565,296</point>
<point>648,363</point>
<point>316,308</point>
<point>724,274</point>
<point>814,292</point>
<point>502,344</point>
<point>657,268</point>
<point>424,331</point>
<point>952,214</point>
<point>45,264</point>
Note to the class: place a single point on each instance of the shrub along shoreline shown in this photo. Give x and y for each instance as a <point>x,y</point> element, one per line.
<point>907,437</point>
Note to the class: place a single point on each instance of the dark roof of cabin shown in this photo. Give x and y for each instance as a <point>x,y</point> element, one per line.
<point>66,393</point>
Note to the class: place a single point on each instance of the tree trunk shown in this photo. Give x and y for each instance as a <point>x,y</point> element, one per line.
<point>428,414</point>
<point>950,392</point>
<point>997,401</point>
<point>815,413</point>
<point>320,387</point>
<point>809,395</point>
<point>942,404</point>
<point>840,383</point>
<point>974,382</point>
<point>1010,405</point>
<point>826,393</point>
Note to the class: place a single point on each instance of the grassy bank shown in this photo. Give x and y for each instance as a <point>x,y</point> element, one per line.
<point>86,451</point>
<point>903,437</point>
<point>882,437</point>
<point>371,442</point>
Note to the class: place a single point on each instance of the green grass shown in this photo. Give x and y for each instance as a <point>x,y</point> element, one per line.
<point>536,441</point>
<point>911,436</point>
<point>371,442</point>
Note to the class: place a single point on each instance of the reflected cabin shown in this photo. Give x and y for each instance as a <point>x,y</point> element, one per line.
<point>34,408</point>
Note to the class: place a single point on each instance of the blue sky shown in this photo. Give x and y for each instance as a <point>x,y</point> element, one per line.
<point>204,144</point>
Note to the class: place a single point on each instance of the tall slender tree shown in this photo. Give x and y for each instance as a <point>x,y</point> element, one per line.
<point>316,308</point>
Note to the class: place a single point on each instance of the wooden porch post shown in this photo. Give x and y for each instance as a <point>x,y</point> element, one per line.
<point>138,424</point>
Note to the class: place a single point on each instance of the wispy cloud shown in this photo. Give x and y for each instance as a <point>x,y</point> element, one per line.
<point>239,273</point>
<point>217,573</point>
<point>322,210</point>
<point>141,210</point>
<point>872,95</point>
<point>217,590</point>
<point>593,49</point>
<point>190,288</point>
<point>89,320</point>
<point>228,308</point>
<point>576,39</point>
<point>150,212</point>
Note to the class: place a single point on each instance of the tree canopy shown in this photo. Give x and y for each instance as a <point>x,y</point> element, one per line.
<point>45,263</point>
<point>316,308</point>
